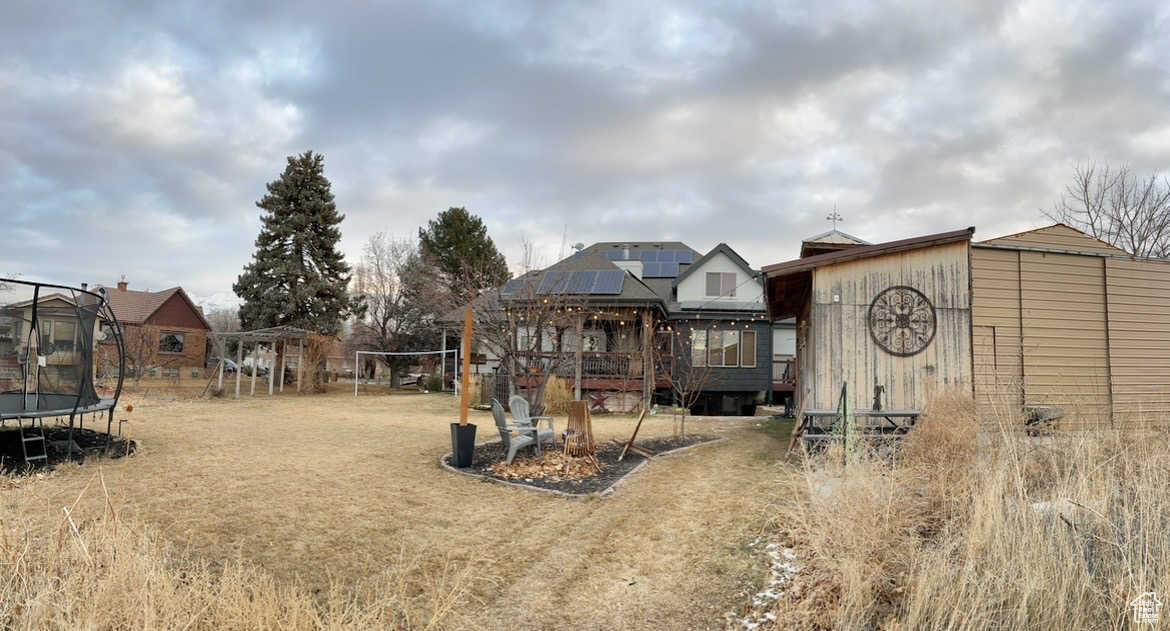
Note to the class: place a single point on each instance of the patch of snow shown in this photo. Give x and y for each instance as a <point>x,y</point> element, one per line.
<point>781,570</point>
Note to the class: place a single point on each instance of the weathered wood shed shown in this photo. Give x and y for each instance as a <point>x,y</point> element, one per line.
<point>895,315</point>
<point>1066,321</point>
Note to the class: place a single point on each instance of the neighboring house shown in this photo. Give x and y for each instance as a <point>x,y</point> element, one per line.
<point>708,306</point>
<point>165,333</point>
<point>59,341</point>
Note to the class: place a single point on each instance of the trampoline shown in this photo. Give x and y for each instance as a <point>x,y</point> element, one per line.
<point>61,352</point>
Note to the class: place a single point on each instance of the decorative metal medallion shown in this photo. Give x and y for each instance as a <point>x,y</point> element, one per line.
<point>902,321</point>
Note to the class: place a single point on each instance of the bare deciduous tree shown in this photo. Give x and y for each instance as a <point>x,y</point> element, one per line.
<point>223,320</point>
<point>402,302</point>
<point>676,363</point>
<point>1118,207</point>
<point>525,330</point>
<point>143,352</point>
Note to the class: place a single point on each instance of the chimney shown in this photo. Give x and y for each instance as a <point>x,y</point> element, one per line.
<point>122,284</point>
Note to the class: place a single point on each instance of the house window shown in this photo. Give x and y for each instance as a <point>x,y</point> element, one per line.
<point>721,284</point>
<point>747,354</point>
<point>731,348</point>
<point>57,336</point>
<point>698,348</point>
<point>723,349</point>
<point>170,343</point>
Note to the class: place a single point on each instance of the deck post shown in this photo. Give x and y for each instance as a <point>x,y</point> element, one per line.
<point>300,363</point>
<point>647,358</point>
<point>239,363</point>
<point>580,326</point>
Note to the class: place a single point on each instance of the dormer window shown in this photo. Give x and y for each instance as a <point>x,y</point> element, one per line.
<point>721,284</point>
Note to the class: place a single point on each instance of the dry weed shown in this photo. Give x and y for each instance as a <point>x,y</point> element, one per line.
<point>1024,532</point>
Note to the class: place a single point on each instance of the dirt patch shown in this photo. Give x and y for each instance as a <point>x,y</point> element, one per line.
<point>542,473</point>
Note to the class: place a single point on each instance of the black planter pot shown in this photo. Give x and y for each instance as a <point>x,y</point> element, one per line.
<point>462,444</point>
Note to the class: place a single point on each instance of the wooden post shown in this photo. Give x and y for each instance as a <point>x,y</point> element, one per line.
<point>221,362</point>
<point>253,392</point>
<point>647,358</point>
<point>272,370</point>
<point>239,363</point>
<point>300,362</point>
<point>442,363</point>
<point>283,357</point>
<point>579,359</point>
<point>465,395</point>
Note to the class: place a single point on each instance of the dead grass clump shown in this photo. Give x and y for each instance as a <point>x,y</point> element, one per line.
<point>1023,533</point>
<point>101,573</point>
<point>557,396</point>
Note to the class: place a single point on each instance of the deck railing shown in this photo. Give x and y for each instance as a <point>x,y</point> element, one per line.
<point>593,364</point>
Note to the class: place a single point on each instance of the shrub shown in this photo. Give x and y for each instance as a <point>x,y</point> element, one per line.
<point>435,383</point>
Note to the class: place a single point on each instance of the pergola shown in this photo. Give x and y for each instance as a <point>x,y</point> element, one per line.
<point>257,338</point>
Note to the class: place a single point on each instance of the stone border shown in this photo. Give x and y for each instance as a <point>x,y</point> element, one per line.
<point>604,493</point>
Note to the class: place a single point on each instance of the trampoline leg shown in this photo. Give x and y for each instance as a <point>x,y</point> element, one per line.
<point>109,432</point>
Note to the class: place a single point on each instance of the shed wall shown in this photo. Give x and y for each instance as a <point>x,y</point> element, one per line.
<point>842,349</point>
<point>1139,338</point>
<point>1086,333</point>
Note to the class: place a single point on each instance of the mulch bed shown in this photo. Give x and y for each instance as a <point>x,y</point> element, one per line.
<point>490,454</point>
<point>87,440</point>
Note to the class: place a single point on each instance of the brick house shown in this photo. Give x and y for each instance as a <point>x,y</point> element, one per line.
<point>166,334</point>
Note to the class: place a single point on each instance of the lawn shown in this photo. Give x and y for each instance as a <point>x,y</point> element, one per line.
<point>332,489</point>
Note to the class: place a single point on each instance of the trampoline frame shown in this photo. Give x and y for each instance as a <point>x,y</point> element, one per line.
<point>103,313</point>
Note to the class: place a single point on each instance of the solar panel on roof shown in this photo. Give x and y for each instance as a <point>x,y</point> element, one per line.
<point>512,286</point>
<point>581,282</point>
<point>553,283</point>
<point>684,256</point>
<point>649,256</point>
<point>609,282</point>
<point>660,270</point>
<point>615,255</point>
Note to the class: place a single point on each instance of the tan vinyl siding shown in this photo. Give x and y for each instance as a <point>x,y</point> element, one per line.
<point>996,328</point>
<point>841,340</point>
<point>1057,237</point>
<point>1139,334</point>
<point>1064,342</point>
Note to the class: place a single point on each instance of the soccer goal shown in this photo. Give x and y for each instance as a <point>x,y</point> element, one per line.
<point>383,379</point>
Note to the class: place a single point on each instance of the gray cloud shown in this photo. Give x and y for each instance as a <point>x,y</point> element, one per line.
<point>136,139</point>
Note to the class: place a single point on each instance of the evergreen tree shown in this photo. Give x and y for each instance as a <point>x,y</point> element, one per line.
<point>297,276</point>
<point>457,244</point>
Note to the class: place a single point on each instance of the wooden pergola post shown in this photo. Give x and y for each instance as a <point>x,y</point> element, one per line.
<point>283,357</point>
<point>219,347</point>
<point>239,363</point>
<point>272,371</point>
<point>301,363</point>
<point>254,371</point>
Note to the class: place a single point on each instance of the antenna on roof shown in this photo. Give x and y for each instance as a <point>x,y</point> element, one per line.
<point>835,217</point>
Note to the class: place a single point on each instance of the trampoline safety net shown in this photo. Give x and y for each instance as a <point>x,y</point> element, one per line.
<point>61,351</point>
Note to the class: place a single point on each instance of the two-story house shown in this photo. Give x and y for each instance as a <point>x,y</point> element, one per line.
<point>638,316</point>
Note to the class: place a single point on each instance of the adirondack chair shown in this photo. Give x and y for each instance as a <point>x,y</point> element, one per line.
<point>526,435</point>
<point>521,418</point>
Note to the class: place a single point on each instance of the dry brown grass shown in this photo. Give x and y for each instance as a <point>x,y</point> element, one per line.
<point>1023,533</point>
<point>321,503</point>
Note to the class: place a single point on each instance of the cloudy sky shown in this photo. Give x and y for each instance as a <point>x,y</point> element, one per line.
<point>135,139</point>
